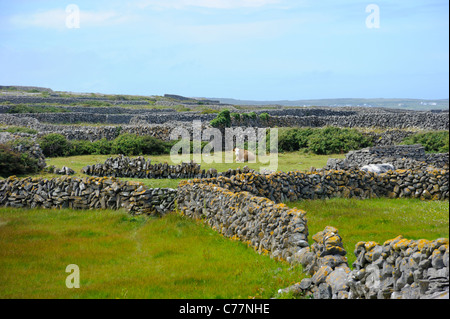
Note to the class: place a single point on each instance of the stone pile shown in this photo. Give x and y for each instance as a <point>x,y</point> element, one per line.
<point>86,193</point>
<point>269,228</point>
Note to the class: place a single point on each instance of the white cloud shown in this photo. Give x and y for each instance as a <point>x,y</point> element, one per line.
<point>57,18</point>
<point>212,4</point>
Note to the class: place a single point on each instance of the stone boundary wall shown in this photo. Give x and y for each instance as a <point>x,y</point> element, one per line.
<point>400,156</point>
<point>294,186</point>
<point>64,100</point>
<point>406,120</point>
<point>398,269</point>
<point>98,110</point>
<point>130,118</point>
<point>269,228</point>
<point>139,167</point>
<point>86,193</point>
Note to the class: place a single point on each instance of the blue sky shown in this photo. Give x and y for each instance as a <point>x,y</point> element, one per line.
<point>247,49</point>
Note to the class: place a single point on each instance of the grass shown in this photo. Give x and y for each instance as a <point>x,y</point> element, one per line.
<point>377,219</point>
<point>121,256</point>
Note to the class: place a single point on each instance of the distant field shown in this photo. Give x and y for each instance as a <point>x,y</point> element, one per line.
<point>120,256</point>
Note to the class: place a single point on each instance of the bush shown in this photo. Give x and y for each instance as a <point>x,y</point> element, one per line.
<point>329,140</point>
<point>433,142</point>
<point>222,120</point>
<point>127,144</point>
<point>80,148</point>
<point>154,146</point>
<point>236,116</point>
<point>102,147</point>
<point>131,144</point>
<point>54,145</point>
<point>333,140</point>
<point>290,140</point>
<point>264,116</point>
<point>15,163</point>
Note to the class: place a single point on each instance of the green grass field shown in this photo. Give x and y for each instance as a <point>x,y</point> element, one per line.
<point>121,256</point>
<point>377,219</point>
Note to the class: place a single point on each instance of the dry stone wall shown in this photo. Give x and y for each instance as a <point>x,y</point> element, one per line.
<point>398,269</point>
<point>139,167</point>
<point>269,228</point>
<point>294,186</point>
<point>86,193</point>
<point>400,156</point>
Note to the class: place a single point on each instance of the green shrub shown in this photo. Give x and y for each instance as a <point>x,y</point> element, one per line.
<point>80,147</point>
<point>264,116</point>
<point>329,140</point>
<point>236,116</point>
<point>333,140</point>
<point>54,145</point>
<point>15,163</point>
<point>154,146</point>
<point>102,147</point>
<point>127,144</point>
<point>131,144</point>
<point>222,120</point>
<point>433,142</point>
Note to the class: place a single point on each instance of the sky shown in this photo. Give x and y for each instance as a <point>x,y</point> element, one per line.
<point>247,49</point>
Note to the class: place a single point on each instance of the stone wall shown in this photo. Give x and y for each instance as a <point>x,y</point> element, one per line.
<point>400,156</point>
<point>98,110</point>
<point>24,143</point>
<point>384,120</point>
<point>398,269</point>
<point>270,228</point>
<point>294,186</point>
<point>23,99</point>
<point>86,193</point>
<point>139,167</point>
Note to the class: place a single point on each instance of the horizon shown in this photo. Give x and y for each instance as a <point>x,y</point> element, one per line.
<point>232,98</point>
<point>250,50</point>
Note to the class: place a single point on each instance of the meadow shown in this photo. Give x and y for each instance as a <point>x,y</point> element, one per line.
<point>121,256</point>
